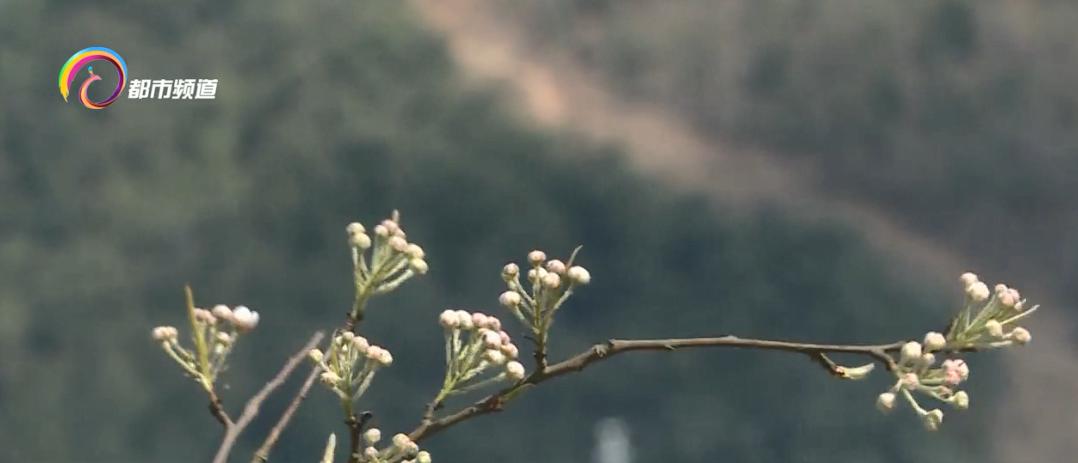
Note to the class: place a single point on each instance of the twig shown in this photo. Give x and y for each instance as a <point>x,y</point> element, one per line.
<point>262,455</point>
<point>495,402</point>
<point>218,410</point>
<point>251,408</point>
<point>355,430</point>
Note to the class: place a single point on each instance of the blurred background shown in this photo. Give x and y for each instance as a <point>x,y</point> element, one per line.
<point>811,170</point>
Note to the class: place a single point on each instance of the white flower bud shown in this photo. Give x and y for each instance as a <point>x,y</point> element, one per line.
<point>934,341</point>
<point>556,266</point>
<point>244,319</point>
<point>911,351</point>
<point>380,355</point>
<point>360,344</point>
<point>578,275</point>
<point>510,271</point>
<point>536,257</point>
<point>978,292</point>
<point>1000,288</point>
<point>371,453</point>
<point>510,350</point>
<point>360,241</point>
<point>514,370</point>
<point>415,252</point>
<point>448,319</point>
<point>423,457</point>
<point>398,244</point>
<point>933,419</point>
<point>968,279</point>
<point>1021,335</point>
<point>205,316</point>
<point>164,333</point>
<point>493,323</point>
<point>491,339</point>
<point>927,359</point>
<point>346,337</point>
<point>994,328</point>
<point>910,381</point>
<point>419,266</point>
<point>391,226</point>
<point>381,231</point>
<point>960,400</point>
<point>479,320</point>
<point>494,356</point>
<point>355,228</point>
<point>1007,299</point>
<point>372,436</point>
<point>223,338</point>
<point>222,312</point>
<point>509,299</point>
<point>329,378</point>
<point>315,355</point>
<point>401,441</point>
<point>551,280</point>
<point>465,320</point>
<point>886,402</point>
<point>958,367</point>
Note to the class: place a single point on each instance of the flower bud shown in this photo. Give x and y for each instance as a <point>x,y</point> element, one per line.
<point>401,441</point>
<point>423,457</point>
<point>494,324</point>
<point>448,319</point>
<point>1007,299</point>
<point>371,453</point>
<point>479,320</point>
<point>415,252</point>
<point>205,316</point>
<point>223,338</point>
<point>551,280</point>
<point>510,350</point>
<point>491,339</point>
<point>360,344</point>
<point>911,351</point>
<point>329,378</point>
<point>556,266</point>
<point>934,341</point>
<point>509,299</point>
<point>164,333</point>
<point>380,355</point>
<point>360,241</point>
<point>355,228</point>
<point>381,231</point>
<point>510,271</point>
<point>886,402</point>
<point>958,366</point>
<point>933,419</point>
<point>222,312</point>
<point>244,319</point>
<point>1021,336</point>
<point>315,355</point>
<point>494,356</point>
<point>978,292</point>
<point>346,337</point>
<point>994,328</point>
<point>927,359</point>
<point>536,257</point>
<point>503,335</point>
<point>968,279</point>
<point>398,244</point>
<point>910,381</point>
<point>419,266</point>
<point>465,320</point>
<point>514,370</point>
<point>579,275</point>
<point>372,436</point>
<point>391,226</point>
<point>960,400</point>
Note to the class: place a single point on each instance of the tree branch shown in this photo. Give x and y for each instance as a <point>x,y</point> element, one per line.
<point>233,431</point>
<point>262,455</point>
<point>495,402</point>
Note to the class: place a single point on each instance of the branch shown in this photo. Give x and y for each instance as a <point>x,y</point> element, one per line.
<point>495,402</point>
<point>262,455</point>
<point>218,410</point>
<point>251,408</point>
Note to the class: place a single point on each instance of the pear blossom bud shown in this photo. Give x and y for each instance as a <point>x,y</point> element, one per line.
<point>419,266</point>
<point>381,231</point>
<point>479,320</point>
<point>494,356</point>
<point>371,453</point>
<point>494,324</point>
<point>934,341</point>
<point>465,320</point>
<point>223,338</point>
<point>329,378</point>
<point>886,402</point>
<point>415,252</point>
<point>360,344</point>
<point>958,366</point>
<point>491,339</point>
<point>514,370</point>
<point>205,316</point>
<point>164,333</point>
<point>315,355</point>
<point>391,226</point>
<point>536,257</point>
<point>968,279</point>
<point>510,350</point>
<point>510,271</point>
<point>1007,299</point>
<point>359,240</point>
<point>504,336</point>
<point>347,336</point>
<point>928,359</point>
<point>448,319</point>
<point>933,419</point>
<point>244,319</point>
<point>380,355</point>
<point>960,400</point>
<point>994,328</point>
<point>401,441</point>
<point>1021,335</point>
<point>579,275</point>
<point>556,266</point>
<point>423,457</point>
<point>910,381</point>
<point>355,228</point>
<point>372,436</point>
<point>222,311</point>
<point>509,299</point>
<point>978,292</point>
<point>398,244</point>
<point>551,280</point>
<point>911,351</point>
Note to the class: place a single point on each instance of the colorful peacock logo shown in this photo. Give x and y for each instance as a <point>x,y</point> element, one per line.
<point>83,58</point>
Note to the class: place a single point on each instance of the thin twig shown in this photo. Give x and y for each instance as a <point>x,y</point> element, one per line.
<point>495,402</point>
<point>262,455</point>
<point>218,410</point>
<point>251,408</point>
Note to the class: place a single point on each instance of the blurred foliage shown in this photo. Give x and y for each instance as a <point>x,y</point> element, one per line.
<point>955,116</point>
<point>338,110</point>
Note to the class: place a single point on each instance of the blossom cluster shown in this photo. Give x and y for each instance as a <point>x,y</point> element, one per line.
<point>214,333</point>
<point>987,321</point>
<point>349,365</point>
<point>393,260</point>
<point>551,284</point>
<point>401,450</point>
<point>475,344</point>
